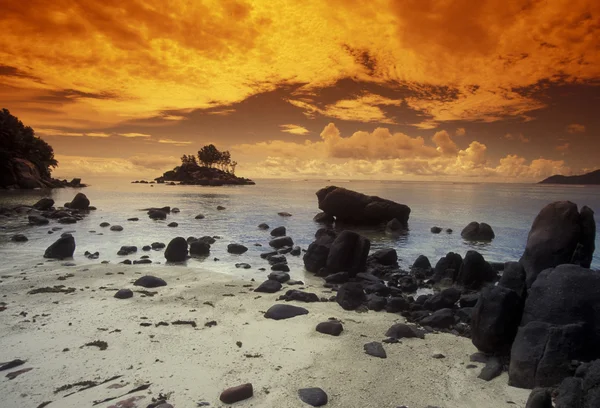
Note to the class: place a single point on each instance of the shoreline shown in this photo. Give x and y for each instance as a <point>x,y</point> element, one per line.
<point>195,365</point>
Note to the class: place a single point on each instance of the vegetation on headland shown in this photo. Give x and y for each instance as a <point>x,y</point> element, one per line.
<point>26,161</point>
<point>582,179</point>
<point>211,167</point>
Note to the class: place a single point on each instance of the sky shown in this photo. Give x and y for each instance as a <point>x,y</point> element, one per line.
<point>488,90</point>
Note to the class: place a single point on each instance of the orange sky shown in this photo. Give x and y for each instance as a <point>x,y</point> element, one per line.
<point>407,89</point>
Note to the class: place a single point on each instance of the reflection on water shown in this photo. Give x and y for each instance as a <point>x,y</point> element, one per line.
<point>508,208</point>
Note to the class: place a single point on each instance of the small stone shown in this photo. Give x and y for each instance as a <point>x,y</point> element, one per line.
<point>375,349</point>
<point>315,397</point>
<point>438,356</point>
<point>235,394</point>
<point>492,369</point>
<point>331,327</point>
<point>117,228</point>
<point>269,286</point>
<point>172,224</point>
<point>149,281</point>
<point>124,294</point>
<point>280,312</point>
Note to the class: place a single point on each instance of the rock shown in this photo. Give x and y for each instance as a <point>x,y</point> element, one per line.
<point>407,284</point>
<point>149,281</point>
<point>447,267</point>
<point>37,220</point>
<point>284,214</point>
<point>340,277</point>
<point>299,296</point>
<point>324,218</point>
<point>492,369</point>
<point>19,238</point>
<point>278,232</point>
<point>447,298</point>
<point>560,323</point>
<point>475,271</point>
<point>199,248</point>
<point>315,397</point>
<point>104,224</point>
<point>376,303</point>
<point>157,245</point>
<point>127,250</point>
<point>559,235</point>
<point>348,253</point>
<point>283,311</point>
<point>404,331</point>
<point>172,224</point>
<point>116,228</point>
<point>468,300</point>
<point>375,349</point>
<point>235,394</point>
<point>207,239</point>
<point>281,242</point>
<point>280,267</point>
<point>540,398</point>
<point>67,220</point>
<point>146,248</point>
<point>396,304</point>
<point>199,217</point>
<point>296,251</point>
<point>221,208</point>
<point>355,208</point>
<point>514,278</point>
<point>331,327</point>
<point>44,204</point>
<point>63,248</point>
<point>177,250</point>
<point>317,253</point>
<point>350,296</point>
<point>269,286</point>
<point>142,261</point>
<point>243,265</point>
<point>175,210</point>
<point>422,262</point>
<point>440,319</point>
<point>280,277</point>
<point>237,249</point>
<point>157,214</point>
<point>436,230</point>
<point>395,226</point>
<point>124,294</point>
<point>387,256</point>
<point>478,232</point>
<point>79,202</point>
<point>495,319</point>
<point>276,259</point>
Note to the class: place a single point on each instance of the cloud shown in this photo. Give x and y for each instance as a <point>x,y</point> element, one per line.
<point>174,142</point>
<point>133,134</point>
<point>445,145</point>
<point>58,132</point>
<point>460,132</point>
<point>563,147</point>
<point>515,167</point>
<point>576,128</point>
<point>518,136</point>
<point>294,129</point>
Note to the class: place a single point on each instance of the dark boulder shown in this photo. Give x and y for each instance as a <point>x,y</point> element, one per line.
<point>263,226</point>
<point>478,232</point>
<point>79,202</point>
<point>172,224</point>
<point>278,232</point>
<point>324,218</point>
<point>37,220</point>
<point>199,217</point>
<point>314,397</point>
<point>376,303</point>
<point>436,230</point>
<point>157,215</point>
<point>396,304</point>
<point>350,296</point>
<point>493,368</point>
<point>296,251</point>
<point>280,267</point>
<point>404,331</point>
<point>539,398</point>
<point>317,253</point>
<point>157,245</point>
<point>447,267</point>
<point>355,208</point>
<point>375,349</point>
<point>177,250</point>
<point>104,224</point>
<point>559,235</point>
<point>116,228</point>
<point>281,242</point>
<point>279,276</point>
<point>475,271</point>
<point>495,319</point>
<point>19,238</point>
<point>422,262</point>
<point>299,296</point>
<point>440,319</point>
<point>149,281</point>
<point>236,394</point>
<point>199,248</point>
<point>63,248</point>
<point>513,277</point>
<point>283,311</point>
<point>387,256</point>
<point>269,286</point>
<point>124,294</point>
<point>127,250</point>
<point>67,220</point>
<point>340,277</point>
<point>331,327</point>
<point>445,299</point>
<point>44,204</point>
<point>237,249</point>
<point>348,253</point>
<point>407,284</point>
<point>276,258</point>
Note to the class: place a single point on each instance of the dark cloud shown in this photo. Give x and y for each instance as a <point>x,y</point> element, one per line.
<point>8,71</point>
<point>72,95</point>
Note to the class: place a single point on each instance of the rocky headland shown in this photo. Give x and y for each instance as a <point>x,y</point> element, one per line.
<point>591,178</point>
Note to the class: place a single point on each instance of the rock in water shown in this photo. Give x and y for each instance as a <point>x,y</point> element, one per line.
<point>387,256</point>
<point>116,228</point>
<point>348,252</point>
<point>63,248</point>
<point>149,281</point>
<point>278,232</point>
<point>315,397</point>
<point>281,242</point>
<point>264,226</point>
<point>355,208</point>
<point>199,248</point>
<point>280,312</point>
<point>124,294</point>
<point>44,204</point>
<point>237,249</point>
<point>37,220</point>
<point>235,394</point>
<point>79,202</point>
<point>157,214</point>
<point>478,232</point>
<point>19,238</point>
<point>177,250</point>
<point>375,349</point>
<point>324,218</point>
<point>331,327</point>
<point>475,271</point>
<point>559,235</point>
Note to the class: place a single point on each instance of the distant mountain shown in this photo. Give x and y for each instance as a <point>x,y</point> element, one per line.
<point>588,178</point>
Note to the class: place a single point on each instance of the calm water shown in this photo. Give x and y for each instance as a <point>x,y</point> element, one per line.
<point>508,208</point>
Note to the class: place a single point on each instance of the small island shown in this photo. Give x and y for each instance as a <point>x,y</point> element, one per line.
<point>26,161</point>
<point>211,168</point>
<point>592,178</point>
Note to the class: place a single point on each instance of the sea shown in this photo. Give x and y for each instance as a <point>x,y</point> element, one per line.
<point>509,208</point>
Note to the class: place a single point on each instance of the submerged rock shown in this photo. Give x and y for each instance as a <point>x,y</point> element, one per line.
<point>478,232</point>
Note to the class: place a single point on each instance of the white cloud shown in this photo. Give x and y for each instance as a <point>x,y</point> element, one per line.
<point>294,129</point>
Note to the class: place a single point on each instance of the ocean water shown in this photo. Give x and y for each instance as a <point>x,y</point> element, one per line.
<point>508,208</point>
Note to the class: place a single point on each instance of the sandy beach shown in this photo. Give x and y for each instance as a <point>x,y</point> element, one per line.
<point>194,365</point>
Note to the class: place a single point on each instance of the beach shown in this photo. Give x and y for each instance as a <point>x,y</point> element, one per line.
<point>194,365</point>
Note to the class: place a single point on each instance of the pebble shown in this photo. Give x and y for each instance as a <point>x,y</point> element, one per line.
<point>375,349</point>
<point>235,394</point>
<point>315,397</point>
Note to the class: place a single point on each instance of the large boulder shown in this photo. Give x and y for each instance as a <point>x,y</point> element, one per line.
<point>199,248</point>
<point>317,253</point>
<point>79,202</point>
<point>582,390</point>
<point>44,204</point>
<point>387,256</point>
<point>63,248</point>
<point>495,319</point>
<point>560,323</point>
<point>475,271</point>
<point>447,267</point>
<point>348,253</point>
<point>559,235</point>
<point>177,250</point>
<point>35,219</point>
<point>281,242</point>
<point>513,277</point>
<point>355,208</point>
<point>350,295</point>
<point>478,232</point>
